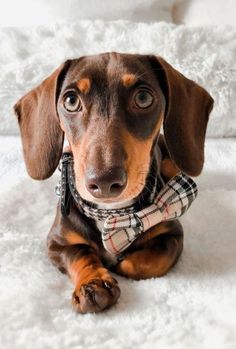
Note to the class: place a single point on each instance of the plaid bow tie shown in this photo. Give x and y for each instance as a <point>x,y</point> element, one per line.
<point>171,202</point>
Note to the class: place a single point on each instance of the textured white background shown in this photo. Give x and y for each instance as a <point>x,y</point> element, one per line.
<point>205,54</point>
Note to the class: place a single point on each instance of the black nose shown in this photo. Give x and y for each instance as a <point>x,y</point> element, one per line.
<point>106,183</point>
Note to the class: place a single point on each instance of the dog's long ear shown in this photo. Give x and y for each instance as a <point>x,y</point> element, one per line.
<point>187,111</point>
<point>42,137</point>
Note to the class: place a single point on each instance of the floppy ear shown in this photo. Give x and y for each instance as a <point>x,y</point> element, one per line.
<point>42,137</point>
<point>188,107</point>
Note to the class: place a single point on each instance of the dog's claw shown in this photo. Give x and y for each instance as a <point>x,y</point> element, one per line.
<point>107,285</point>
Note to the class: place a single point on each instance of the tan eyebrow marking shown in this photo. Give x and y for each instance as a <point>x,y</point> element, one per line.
<point>128,79</point>
<point>84,85</point>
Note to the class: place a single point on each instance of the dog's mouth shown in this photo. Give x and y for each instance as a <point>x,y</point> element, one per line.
<point>113,204</point>
<point>125,198</point>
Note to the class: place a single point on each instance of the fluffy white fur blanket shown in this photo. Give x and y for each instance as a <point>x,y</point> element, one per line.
<point>205,54</point>
<point>194,306</point>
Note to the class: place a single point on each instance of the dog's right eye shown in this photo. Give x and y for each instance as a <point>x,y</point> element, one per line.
<point>72,102</point>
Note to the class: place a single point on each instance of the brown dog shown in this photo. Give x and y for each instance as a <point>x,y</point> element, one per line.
<point>111,108</point>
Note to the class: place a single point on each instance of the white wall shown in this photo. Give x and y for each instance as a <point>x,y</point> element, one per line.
<point>35,12</point>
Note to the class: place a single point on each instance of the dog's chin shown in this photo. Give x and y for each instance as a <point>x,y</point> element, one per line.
<point>108,203</point>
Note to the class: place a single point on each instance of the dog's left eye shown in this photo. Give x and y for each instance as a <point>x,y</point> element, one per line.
<point>72,102</point>
<point>143,99</point>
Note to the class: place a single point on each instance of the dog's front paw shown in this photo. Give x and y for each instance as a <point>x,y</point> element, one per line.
<point>96,295</point>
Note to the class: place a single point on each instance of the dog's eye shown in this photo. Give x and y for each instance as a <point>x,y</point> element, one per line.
<point>72,102</point>
<point>143,99</point>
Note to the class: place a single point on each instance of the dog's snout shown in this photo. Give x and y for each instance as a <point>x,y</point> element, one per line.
<point>106,183</point>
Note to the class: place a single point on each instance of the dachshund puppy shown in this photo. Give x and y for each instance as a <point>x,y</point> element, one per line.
<point>110,108</point>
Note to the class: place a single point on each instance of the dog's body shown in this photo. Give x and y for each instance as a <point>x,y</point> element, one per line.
<point>111,108</point>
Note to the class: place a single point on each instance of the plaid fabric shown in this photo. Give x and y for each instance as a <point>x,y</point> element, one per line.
<point>171,202</point>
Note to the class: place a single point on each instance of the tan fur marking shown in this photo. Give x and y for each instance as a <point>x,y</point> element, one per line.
<point>87,268</point>
<point>84,85</point>
<point>151,262</point>
<point>138,161</point>
<point>74,238</point>
<point>128,80</point>
<point>168,168</point>
<point>137,164</point>
<point>127,266</point>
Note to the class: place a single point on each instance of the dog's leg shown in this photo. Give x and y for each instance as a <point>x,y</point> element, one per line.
<point>155,252</point>
<point>95,288</point>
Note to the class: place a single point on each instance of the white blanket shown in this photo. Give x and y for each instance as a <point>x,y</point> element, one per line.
<point>194,306</point>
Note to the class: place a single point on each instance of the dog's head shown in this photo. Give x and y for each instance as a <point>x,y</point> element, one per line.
<point>111,108</point>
